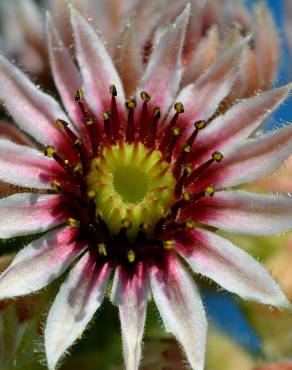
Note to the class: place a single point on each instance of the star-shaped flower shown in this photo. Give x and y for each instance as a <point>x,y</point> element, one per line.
<point>138,186</point>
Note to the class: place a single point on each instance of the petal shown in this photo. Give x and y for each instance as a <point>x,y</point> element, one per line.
<point>164,70</point>
<point>34,111</point>
<point>131,293</point>
<point>201,99</point>
<point>239,122</point>
<point>181,309</point>
<point>267,44</point>
<point>41,262</point>
<point>96,66</point>
<point>25,213</point>
<point>11,132</point>
<point>244,212</point>
<point>203,56</point>
<point>65,73</point>
<point>23,166</point>
<point>79,297</point>
<point>231,267</point>
<point>249,161</point>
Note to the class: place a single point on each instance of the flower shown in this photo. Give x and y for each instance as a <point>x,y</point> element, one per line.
<point>134,186</point>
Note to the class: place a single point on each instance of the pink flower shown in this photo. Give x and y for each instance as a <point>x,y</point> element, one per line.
<point>134,186</point>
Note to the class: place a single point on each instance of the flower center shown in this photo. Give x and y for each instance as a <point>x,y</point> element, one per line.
<point>132,185</point>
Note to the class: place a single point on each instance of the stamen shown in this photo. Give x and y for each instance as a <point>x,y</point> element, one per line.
<point>107,126</point>
<point>91,194</point>
<point>56,186</point>
<point>130,134</point>
<point>187,148</point>
<point>176,132</point>
<point>179,185</point>
<point>190,225</point>
<point>179,109</point>
<point>114,119</point>
<point>131,255</point>
<point>102,249</point>
<point>143,130</point>
<point>151,138</point>
<point>216,157</point>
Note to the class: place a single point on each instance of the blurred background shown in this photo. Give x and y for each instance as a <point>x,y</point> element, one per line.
<point>242,336</point>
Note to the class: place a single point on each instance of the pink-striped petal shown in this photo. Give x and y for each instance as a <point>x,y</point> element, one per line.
<point>267,44</point>
<point>201,99</point>
<point>96,66</point>
<point>41,262</point>
<point>66,75</point>
<point>244,212</point>
<point>131,293</point>
<point>164,70</point>
<point>249,161</point>
<point>23,166</point>
<point>239,122</point>
<point>203,56</point>
<point>25,213</point>
<point>34,111</point>
<point>181,308</point>
<point>79,297</point>
<point>232,268</point>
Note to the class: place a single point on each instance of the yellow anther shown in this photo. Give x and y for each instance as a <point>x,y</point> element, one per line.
<point>79,95</point>
<point>188,169</point>
<point>179,107</point>
<point>72,222</point>
<point>102,249</point>
<point>190,225</point>
<point>217,156</point>
<point>187,148</point>
<point>131,255</point>
<point>91,194</point>
<point>113,90</point>
<point>131,104</point>
<point>145,96</point>
<point>89,122</point>
<point>168,244</point>
<point>50,151</point>
<point>126,223</point>
<point>210,191</point>
<point>106,116</point>
<point>176,131</point>
<point>187,196</point>
<point>56,186</point>
<point>77,142</point>
<point>156,112</point>
<point>61,123</point>
<point>77,168</point>
<point>200,124</point>
<point>66,161</point>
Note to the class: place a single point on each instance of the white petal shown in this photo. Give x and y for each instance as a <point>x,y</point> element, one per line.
<point>96,66</point>
<point>244,212</point>
<point>24,214</point>
<point>27,167</point>
<point>131,293</point>
<point>34,111</point>
<point>164,70</point>
<point>231,267</point>
<point>38,264</point>
<point>250,160</point>
<point>66,75</point>
<point>181,309</point>
<point>79,297</point>
<point>239,122</point>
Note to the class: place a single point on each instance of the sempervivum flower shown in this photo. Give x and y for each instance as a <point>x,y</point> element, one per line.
<point>134,186</point>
